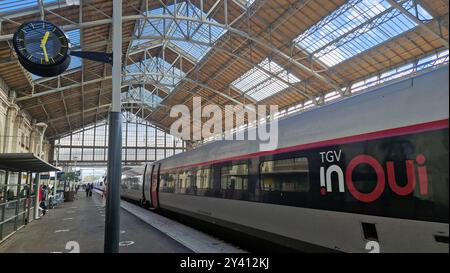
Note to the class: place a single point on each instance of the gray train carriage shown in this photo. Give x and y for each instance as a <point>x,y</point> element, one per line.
<point>372,167</point>
<point>132,183</point>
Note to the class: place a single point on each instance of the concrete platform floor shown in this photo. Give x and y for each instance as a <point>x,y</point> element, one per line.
<point>83,221</point>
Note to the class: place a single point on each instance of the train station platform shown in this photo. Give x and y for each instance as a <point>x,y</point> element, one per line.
<point>79,225</point>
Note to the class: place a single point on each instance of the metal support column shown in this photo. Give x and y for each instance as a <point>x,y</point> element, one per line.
<point>112,220</point>
<point>19,180</point>
<point>30,184</point>
<point>36,192</point>
<point>5,199</point>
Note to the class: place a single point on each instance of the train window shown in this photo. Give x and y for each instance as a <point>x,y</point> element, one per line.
<point>287,175</point>
<point>203,179</point>
<point>163,181</point>
<point>171,180</point>
<point>167,182</point>
<point>234,177</point>
<point>186,182</point>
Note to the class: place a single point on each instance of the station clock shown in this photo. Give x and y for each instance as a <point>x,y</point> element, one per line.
<point>42,48</point>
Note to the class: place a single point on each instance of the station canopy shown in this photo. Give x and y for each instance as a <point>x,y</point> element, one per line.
<point>24,162</point>
<point>296,54</point>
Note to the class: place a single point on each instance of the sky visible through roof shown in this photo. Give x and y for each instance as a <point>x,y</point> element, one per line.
<point>352,29</point>
<point>157,72</point>
<point>184,34</point>
<point>259,84</point>
<point>357,27</point>
<point>9,6</point>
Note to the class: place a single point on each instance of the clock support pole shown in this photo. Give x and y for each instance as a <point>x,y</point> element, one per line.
<point>114,172</point>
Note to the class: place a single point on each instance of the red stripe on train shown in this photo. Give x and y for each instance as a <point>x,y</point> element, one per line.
<point>411,129</point>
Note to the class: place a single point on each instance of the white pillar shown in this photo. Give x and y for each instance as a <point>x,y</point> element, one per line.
<point>16,138</point>
<point>9,128</point>
<point>36,204</point>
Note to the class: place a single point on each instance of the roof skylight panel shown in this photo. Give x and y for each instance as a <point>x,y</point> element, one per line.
<point>190,36</point>
<point>8,6</point>
<point>151,27</point>
<point>156,70</point>
<point>142,95</point>
<point>245,3</point>
<point>75,41</point>
<point>260,83</point>
<point>355,27</point>
<point>204,34</point>
<point>150,99</point>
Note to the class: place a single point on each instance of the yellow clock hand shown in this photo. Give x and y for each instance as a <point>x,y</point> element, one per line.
<point>43,43</point>
<point>45,53</point>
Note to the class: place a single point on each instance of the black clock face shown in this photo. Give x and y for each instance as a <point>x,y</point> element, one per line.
<point>41,43</point>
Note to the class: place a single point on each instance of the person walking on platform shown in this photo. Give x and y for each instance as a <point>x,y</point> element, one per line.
<point>91,188</point>
<point>104,191</point>
<point>88,188</point>
<point>42,196</point>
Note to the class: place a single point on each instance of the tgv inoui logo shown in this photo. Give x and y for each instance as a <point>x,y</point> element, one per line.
<point>346,179</point>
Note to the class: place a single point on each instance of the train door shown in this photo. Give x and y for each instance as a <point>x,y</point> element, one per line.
<point>154,185</point>
<point>147,186</point>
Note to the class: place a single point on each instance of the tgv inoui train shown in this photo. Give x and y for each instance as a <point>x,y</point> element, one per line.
<point>372,167</point>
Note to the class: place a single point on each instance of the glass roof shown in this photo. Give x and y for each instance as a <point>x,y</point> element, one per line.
<point>143,95</point>
<point>356,27</point>
<point>74,37</point>
<point>259,84</point>
<point>246,3</point>
<point>181,31</point>
<point>8,6</point>
<point>158,71</point>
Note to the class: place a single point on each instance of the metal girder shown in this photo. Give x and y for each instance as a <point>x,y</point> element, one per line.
<point>245,35</point>
<point>41,9</point>
<point>56,90</point>
<point>354,30</point>
<point>100,109</point>
<point>418,22</point>
<point>65,110</point>
<point>246,60</point>
<point>276,76</point>
<point>181,78</point>
<point>68,72</point>
<point>49,6</point>
<point>144,72</point>
<point>82,62</point>
<point>257,39</point>
<point>228,28</point>
<point>154,122</point>
<point>80,112</point>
